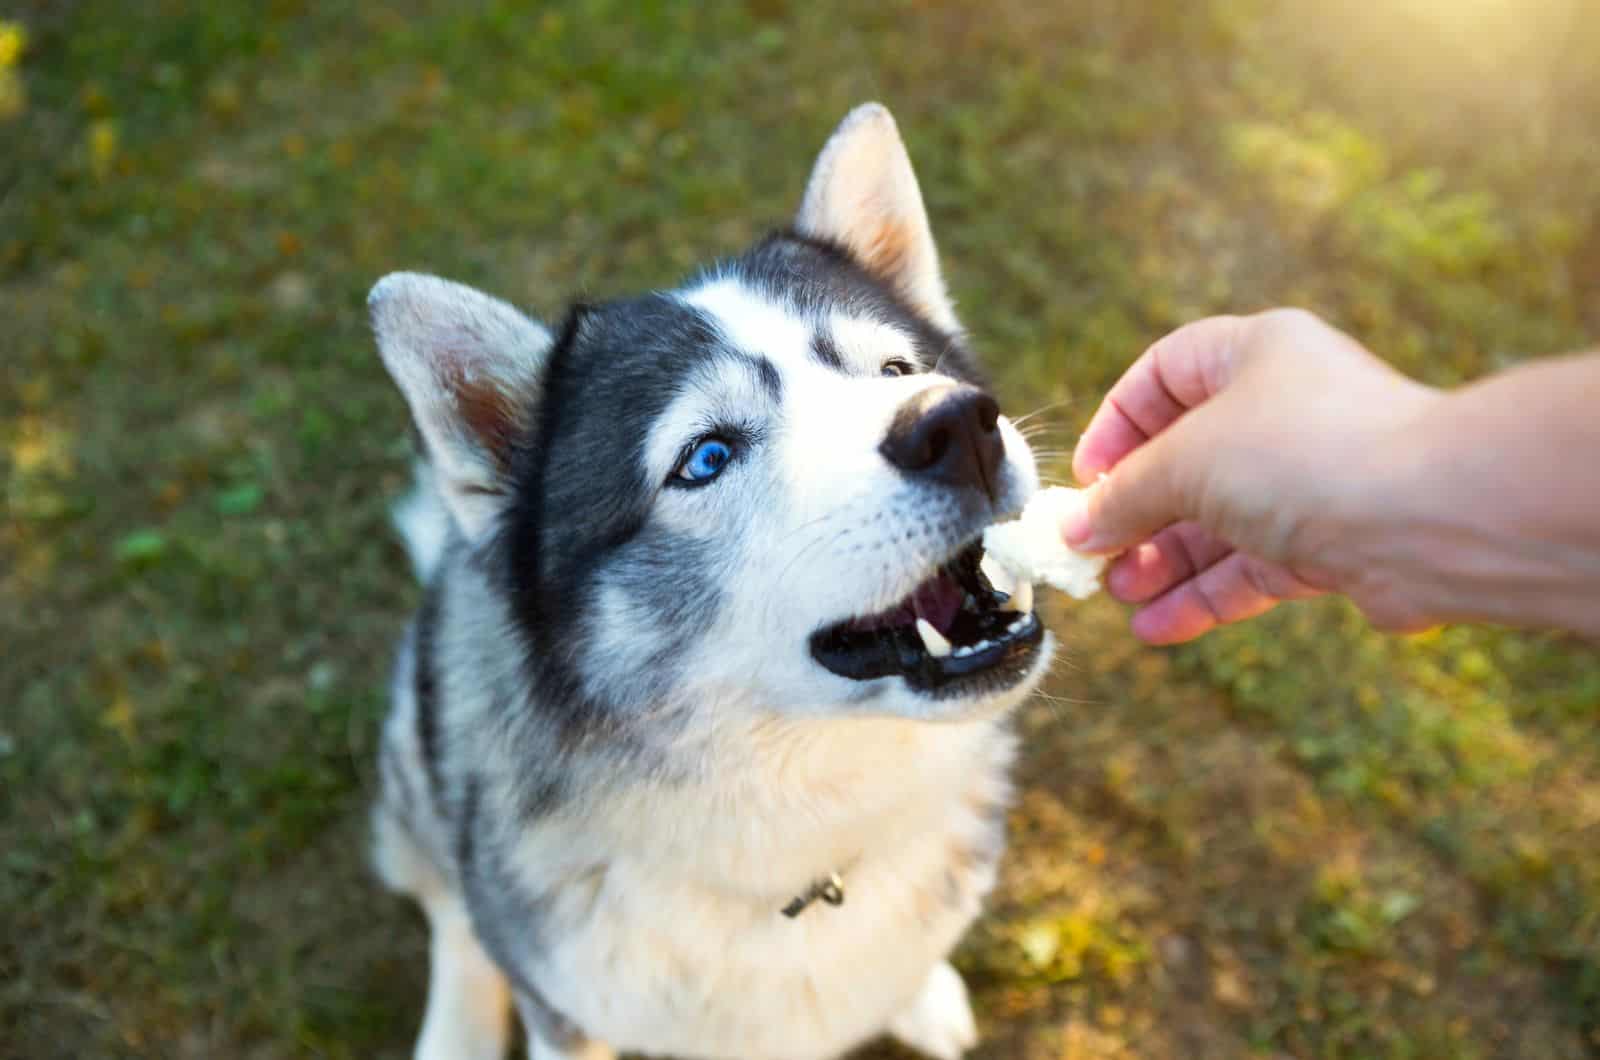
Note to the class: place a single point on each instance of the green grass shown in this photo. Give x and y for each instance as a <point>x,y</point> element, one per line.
<point>1296,838</point>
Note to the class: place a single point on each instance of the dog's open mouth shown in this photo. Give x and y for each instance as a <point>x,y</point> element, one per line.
<point>952,628</point>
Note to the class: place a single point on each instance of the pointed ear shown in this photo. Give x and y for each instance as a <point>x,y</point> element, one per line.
<point>864,196</point>
<point>469,366</point>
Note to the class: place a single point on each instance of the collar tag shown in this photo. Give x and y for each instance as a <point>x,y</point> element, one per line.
<point>830,890</point>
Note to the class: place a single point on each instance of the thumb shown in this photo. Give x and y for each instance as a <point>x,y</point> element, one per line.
<point>1147,490</point>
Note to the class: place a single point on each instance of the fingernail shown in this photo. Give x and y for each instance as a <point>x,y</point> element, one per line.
<point>1075,528</point>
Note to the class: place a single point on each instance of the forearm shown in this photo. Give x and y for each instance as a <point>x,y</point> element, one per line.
<point>1496,509</point>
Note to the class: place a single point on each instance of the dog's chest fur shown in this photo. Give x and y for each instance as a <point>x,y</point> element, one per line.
<point>644,906</point>
<point>671,895</point>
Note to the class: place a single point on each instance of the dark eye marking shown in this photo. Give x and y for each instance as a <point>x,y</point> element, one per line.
<point>770,379</point>
<point>824,349</point>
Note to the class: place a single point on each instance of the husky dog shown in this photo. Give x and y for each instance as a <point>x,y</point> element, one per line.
<point>699,744</point>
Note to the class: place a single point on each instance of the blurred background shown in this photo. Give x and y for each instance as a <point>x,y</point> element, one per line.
<point>1295,839</point>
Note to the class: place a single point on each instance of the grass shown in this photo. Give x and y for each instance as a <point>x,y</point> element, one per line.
<point>1296,838</point>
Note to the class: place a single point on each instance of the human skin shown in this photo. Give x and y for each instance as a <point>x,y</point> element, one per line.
<point>1256,459</point>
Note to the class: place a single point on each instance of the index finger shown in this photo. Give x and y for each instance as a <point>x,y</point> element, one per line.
<point>1174,375</point>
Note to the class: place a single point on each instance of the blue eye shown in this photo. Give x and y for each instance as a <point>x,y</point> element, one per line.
<point>705,461</point>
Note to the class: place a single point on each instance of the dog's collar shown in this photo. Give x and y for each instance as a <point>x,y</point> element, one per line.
<point>830,889</point>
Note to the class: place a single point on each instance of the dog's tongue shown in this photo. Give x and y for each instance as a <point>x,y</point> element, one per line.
<point>937,600</point>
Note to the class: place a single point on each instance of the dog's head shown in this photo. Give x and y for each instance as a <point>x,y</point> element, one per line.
<point>762,488</point>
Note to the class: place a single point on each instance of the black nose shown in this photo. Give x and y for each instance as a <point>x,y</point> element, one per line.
<point>949,434</point>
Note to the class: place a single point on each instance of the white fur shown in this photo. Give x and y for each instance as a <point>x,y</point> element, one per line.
<point>754,324</point>
<point>469,1004</point>
<point>684,931</point>
<point>939,1023</point>
<point>867,344</point>
<point>424,522</point>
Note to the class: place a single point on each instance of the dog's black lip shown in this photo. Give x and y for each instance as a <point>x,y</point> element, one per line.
<point>865,655</point>
<point>900,654</point>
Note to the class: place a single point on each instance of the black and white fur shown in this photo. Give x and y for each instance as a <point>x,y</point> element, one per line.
<point>612,759</point>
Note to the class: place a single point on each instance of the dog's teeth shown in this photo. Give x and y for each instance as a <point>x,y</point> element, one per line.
<point>1016,626</point>
<point>1021,598</point>
<point>932,639</point>
<point>965,650</point>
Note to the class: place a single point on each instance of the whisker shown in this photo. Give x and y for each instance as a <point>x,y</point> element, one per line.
<point>1069,700</point>
<point>1025,417</point>
<point>808,546</point>
<point>829,514</point>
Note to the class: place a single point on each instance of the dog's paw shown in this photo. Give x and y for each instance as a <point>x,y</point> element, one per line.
<point>589,1049</point>
<point>939,1022</point>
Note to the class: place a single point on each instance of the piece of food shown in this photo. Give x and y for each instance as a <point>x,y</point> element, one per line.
<point>1030,549</point>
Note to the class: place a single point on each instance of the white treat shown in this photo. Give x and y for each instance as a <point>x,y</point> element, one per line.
<point>1031,549</point>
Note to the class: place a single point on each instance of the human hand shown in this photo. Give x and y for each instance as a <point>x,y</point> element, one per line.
<point>1246,461</point>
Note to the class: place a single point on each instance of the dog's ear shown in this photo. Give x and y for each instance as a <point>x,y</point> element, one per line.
<point>469,366</point>
<point>863,196</point>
